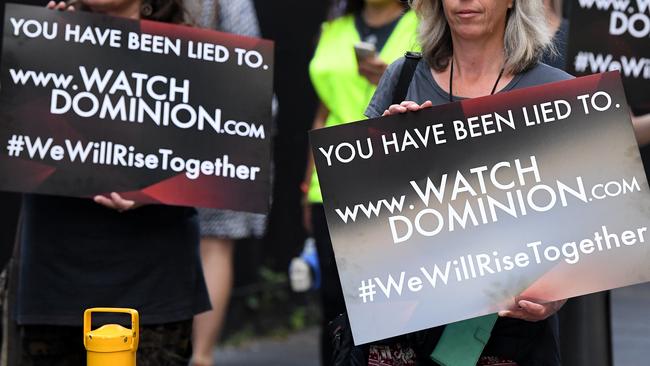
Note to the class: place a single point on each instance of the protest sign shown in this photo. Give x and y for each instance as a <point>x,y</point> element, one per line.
<point>613,35</point>
<point>453,212</point>
<point>92,104</point>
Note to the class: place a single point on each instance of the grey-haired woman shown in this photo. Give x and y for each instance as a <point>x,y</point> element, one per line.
<point>473,48</point>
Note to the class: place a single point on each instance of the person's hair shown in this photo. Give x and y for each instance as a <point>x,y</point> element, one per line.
<point>168,11</point>
<point>526,37</point>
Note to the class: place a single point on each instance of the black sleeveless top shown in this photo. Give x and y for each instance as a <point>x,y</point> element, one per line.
<point>78,254</point>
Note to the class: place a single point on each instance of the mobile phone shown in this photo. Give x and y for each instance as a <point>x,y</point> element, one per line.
<point>365,50</point>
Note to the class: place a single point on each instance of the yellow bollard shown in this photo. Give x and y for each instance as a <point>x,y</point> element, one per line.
<point>111,344</point>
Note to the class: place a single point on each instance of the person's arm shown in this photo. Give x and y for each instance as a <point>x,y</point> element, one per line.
<point>319,122</point>
<point>641,126</point>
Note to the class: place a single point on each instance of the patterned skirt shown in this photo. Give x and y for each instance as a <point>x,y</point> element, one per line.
<point>226,224</point>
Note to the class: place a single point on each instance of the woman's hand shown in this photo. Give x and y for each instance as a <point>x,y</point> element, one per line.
<point>116,202</point>
<point>406,106</point>
<point>61,5</point>
<point>533,312</point>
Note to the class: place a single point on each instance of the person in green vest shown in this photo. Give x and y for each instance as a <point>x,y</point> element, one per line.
<point>352,54</point>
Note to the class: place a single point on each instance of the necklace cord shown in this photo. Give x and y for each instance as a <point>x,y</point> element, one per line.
<point>451,78</point>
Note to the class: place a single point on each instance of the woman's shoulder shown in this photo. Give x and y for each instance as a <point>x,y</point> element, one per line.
<point>539,74</point>
<point>384,93</point>
<point>396,66</point>
<point>542,73</point>
<point>391,75</point>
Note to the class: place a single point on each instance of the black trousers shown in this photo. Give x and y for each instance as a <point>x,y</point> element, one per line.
<point>332,303</point>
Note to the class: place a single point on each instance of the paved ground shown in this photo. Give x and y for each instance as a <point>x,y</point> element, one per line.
<point>298,349</point>
<point>631,325</point>
<point>630,328</point>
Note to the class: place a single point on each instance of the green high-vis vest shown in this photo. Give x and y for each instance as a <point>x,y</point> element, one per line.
<point>335,76</point>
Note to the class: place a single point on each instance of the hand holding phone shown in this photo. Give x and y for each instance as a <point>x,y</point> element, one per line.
<point>370,65</point>
<point>365,50</point>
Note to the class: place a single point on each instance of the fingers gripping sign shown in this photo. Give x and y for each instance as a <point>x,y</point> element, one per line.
<point>61,5</point>
<point>531,311</point>
<point>116,202</point>
<point>406,106</point>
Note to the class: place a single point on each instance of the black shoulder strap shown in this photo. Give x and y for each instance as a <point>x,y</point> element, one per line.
<point>411,60</point>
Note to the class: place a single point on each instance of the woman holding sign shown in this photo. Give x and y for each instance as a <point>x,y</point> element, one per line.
<point>474,48</point>
<point>82,253</point>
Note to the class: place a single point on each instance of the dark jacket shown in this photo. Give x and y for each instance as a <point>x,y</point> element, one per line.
<point>528,344</point>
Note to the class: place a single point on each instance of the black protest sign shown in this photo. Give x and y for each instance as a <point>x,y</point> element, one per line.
<point>613,35</point>
<point>162,113</point>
